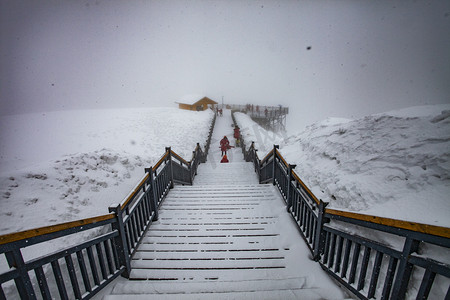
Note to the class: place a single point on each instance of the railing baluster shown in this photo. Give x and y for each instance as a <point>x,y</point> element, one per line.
<point>355,259</point>
<point>389,278</point>
<point>84,273</point>
<point>308,224</point>
<point>332,250</point>
<point>311,227</point>
<point>141,217</point>
<point>134,230</point>
<point>337,266</point>
<point>425,286</point>
<point>116,257</point>
<point>101,260</point>
<point>93,265</point>
<point>43,285</point>
<point>109,258</point>
<point>362,274</point>
<point>59,280</point>
<point>375,274</point>
<point>73,276</point>
<point>128,237</point>
<point>404,269</point>
<point>327,248</point>
<point>348,246</point>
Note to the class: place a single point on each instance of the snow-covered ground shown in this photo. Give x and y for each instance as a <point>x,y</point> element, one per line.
<point>394,164</point>
<point>68,165</point>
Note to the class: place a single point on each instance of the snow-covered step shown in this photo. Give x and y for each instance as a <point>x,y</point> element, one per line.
<point>137,287</point>
<point>290,288</point>
<point>293,294</point>
<point>235,173</point>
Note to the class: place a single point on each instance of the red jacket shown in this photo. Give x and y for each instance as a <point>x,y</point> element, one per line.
<point>237,133</point>
<point>224,144</point>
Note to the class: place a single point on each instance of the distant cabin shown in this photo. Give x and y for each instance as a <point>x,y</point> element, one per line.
<point>196,103</point>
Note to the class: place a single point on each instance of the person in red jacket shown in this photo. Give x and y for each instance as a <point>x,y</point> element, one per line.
<point>224,145</point>
<point>237,134</point>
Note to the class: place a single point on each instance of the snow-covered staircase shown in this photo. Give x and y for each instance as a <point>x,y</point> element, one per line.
<point>225,237</point>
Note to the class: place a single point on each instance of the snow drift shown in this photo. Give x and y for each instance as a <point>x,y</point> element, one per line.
<point>68,165</point>
<point>394,164</point>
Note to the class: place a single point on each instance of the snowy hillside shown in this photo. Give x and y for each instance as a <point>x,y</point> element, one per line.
<point>395,164</point>
<point>69,165</point>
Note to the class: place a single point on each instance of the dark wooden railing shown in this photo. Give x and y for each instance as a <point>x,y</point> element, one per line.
<point>389,262</point>
<point>82,270</point>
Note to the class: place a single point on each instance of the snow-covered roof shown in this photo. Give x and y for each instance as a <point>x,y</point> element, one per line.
<point>190,99</point>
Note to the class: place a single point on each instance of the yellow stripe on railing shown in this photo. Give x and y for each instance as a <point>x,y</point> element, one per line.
<point>282,158</point>
<point>267,156</point>
<point>305,187</point>
<point>160,161</point>
<point>418,227</point>
<point>179,157</point>
<point>17,236</point>
<point>136,189</point>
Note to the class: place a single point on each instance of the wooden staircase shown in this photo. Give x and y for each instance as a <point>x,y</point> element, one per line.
<point>226,237</point>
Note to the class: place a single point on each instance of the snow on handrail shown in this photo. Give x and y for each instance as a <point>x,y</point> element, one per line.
<point>305,187</point>
<point>267,156</point>
<point>155,167</point>
<point>282,158</point>
<point>135,190</point>
<point>179,157</point>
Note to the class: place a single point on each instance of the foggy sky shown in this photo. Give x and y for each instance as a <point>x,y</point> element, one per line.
<point>365,57</point>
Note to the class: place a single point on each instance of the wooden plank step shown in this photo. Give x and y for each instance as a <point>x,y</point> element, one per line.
<point>226,264</point>
<point>148,287</point>
<point>221,197</point>
<point>235,247</point>
<point>202,275</point>
<point>244,255</point>
<point>292,294</point>
<point>221,187</point>
<point>211,225</point>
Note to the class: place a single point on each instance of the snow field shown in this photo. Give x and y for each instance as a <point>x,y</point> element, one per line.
<point>395,164</point>
<point>78,167</point>
<point>81,162</point>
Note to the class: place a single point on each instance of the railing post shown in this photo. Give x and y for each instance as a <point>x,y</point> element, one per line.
<point>191,168</point>
<point>404,269</point>
<point>275,147</point>
<point>154,193</point>
<point>120,240</point>
<point>319,239</point>
<point>23,282</point>
<point>289,187</point>
<point>169,157</point>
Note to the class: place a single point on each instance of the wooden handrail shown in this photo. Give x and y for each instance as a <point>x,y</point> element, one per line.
<point>179,158</point>
<point>133,192</point>
<point>22,235</point>
<point>267,156</point>
<point>282,158</point>
<point>155,167</point>
<point>417,227</point>
<point>305,187</point>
